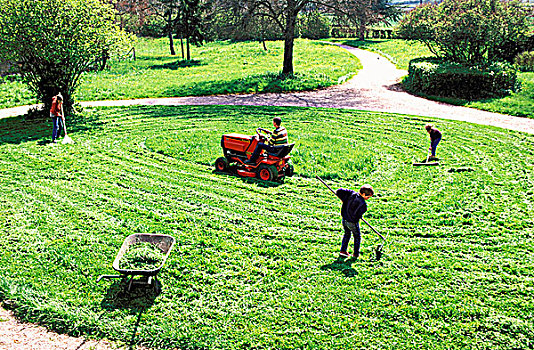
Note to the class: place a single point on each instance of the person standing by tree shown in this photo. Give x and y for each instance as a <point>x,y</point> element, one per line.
<point>56,41</point>
<point>57,115</point>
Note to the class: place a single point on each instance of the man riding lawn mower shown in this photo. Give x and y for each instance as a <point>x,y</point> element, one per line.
<point>262,156</point>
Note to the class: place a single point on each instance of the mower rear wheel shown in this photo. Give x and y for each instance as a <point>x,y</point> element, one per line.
<point>221,164</point>
<point>267,172</point>
<point>290,170</point>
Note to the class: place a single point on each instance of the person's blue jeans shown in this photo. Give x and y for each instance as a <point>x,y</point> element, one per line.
<point>58,125</point>
<point>351,228</point>
<point>434,145</point>
<point>262,146</point>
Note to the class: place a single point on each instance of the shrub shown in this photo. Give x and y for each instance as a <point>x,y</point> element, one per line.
<point>525,61</point>
<point>437,77</point>
<point>315,26</point>
<point>468,31</point>
<point>55,41</point>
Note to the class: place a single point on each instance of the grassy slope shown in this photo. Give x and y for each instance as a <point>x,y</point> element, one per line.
<point>401,52</point>
<point>216,68</point>
<point>254,266</point>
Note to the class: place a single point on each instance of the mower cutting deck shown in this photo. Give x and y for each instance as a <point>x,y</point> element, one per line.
<point>238,148</point>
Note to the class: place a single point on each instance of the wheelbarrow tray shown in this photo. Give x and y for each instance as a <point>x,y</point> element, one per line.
<point>163,242</point>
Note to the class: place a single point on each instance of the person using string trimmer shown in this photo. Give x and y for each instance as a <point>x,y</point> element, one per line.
<point>352,210</point>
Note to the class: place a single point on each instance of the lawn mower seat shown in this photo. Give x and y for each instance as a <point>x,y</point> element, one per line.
<point>283,151</point>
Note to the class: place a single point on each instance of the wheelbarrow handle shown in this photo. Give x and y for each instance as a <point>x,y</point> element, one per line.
<point>108,276</point>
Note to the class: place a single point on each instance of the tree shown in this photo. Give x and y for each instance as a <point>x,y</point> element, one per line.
<point>189,24</point>
<point>132,15</point>
<point>284,13</point>
<point>467,31</point>
<point>55,41</point>
<point>314,25</point>
<point>169,11</point>
<point>364,13</point>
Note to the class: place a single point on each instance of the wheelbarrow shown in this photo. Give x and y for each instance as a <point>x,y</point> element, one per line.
<point>161,241</point>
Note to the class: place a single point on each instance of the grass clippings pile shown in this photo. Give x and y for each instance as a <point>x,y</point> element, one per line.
<point>142,256</point>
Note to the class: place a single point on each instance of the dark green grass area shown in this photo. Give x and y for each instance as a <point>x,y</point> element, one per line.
<point>215,68</point>
<point>254,265</point>
<point>400,52</point>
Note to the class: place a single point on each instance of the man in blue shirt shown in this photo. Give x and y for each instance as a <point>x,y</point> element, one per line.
<point>352,210</point>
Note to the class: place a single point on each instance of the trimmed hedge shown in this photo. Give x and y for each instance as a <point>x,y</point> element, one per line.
<point>436,77</point>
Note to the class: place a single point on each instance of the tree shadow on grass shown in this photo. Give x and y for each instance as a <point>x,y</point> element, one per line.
<point>252,84</point>
<point>342,265</point>
<point>178,64</point>
<point>137,299</point>
<point>35,127</point>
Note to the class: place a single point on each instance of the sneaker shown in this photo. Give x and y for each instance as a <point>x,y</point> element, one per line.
<point>354,256</point>
<point>345,254</point>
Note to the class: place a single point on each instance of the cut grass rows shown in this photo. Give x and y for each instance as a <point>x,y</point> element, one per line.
<point>254,263</point>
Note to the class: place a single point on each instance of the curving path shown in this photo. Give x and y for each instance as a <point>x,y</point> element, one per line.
<point>374,88</point>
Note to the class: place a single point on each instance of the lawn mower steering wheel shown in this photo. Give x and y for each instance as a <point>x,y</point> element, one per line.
<point>260,135</point>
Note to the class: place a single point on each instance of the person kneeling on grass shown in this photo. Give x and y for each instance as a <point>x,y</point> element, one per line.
<point>352,210</point>
<point>278,138</point>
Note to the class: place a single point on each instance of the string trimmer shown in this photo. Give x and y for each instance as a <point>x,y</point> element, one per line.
<point>378,250</point>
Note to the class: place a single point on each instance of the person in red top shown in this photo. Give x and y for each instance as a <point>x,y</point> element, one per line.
<point>57,115</point>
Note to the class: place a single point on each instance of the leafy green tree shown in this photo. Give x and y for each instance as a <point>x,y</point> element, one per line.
<point>189,24</point>
<point>55,41</point>
<point>169,11</point>
<point>363,13</point>
<point>467,31</point>
<point>315,25</point>
<point>284,14</point>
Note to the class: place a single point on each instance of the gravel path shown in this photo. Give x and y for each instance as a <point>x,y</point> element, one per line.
<point>20,336</point>
<point>375,88</point>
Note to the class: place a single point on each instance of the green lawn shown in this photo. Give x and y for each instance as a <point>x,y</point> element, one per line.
<point>254,266</point>
<point>215,68</point>
<point>400,52</point>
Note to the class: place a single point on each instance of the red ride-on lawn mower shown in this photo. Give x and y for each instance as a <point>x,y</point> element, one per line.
<point>238,148</point>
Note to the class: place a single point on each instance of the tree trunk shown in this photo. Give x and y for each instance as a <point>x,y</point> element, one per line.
<point>182,45</point>
<point>188,50</point>
<point>289,40</point>
<point>171,41</point>
<point>361,31</point>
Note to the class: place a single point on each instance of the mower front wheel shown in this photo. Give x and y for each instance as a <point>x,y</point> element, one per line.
<point>267,173</point>
<point>221,164</point>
